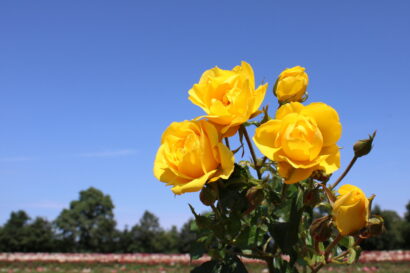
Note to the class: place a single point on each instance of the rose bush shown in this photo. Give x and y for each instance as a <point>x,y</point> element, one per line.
<point>291,85</point>
<point>351,210</point>
<point>301,139</point>
<point>228,97</point>
<point>191,154</point>
<point>252,212</point>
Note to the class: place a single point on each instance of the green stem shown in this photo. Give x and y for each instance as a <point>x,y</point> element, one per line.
<point>216,211</point>
<point>327,253</point>
<point>344,253</point>
<point>284,190</point>
<point>331,246</point>
<point>227,143</point>
<point>254,158</point>
<point>344,173</point>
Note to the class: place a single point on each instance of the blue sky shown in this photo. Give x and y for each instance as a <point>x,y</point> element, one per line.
<point>87,88</point>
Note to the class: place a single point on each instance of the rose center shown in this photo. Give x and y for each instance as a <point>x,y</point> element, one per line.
<point>302,140</point>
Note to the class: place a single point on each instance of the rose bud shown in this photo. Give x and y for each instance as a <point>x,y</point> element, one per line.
<point>351,210</point>
<point>291,85</point>
<point>364,146</point>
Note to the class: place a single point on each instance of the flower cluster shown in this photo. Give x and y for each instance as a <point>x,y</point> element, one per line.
<point>299,154</point>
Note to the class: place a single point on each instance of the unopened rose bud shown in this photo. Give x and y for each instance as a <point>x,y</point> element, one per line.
<point>364,146</point>
<point>321,228</point>
<point>311,198</point>
<point>208,196</point>
<point>291,85</point>
<point>374,227</point>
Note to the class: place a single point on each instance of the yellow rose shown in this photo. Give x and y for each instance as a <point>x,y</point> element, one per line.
<point>228,97</point>
<point>301,139</point>
<point>351,210</point>
<point>190,155</point>
<point>291,85</point>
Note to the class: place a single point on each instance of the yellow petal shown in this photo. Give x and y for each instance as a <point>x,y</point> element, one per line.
<point>227,160</point>
<point>351,209</point>
<point>288,108</point>
<point>327,120</point>
<point>162,170</point>
<point>292,175</point>
<point>248,71</point>
<point>194,185</point>
<point>265,136</point>
<point>259,95</point>
<point>331,161</point>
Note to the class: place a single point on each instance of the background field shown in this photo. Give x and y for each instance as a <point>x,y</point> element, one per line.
<point>385,267</point>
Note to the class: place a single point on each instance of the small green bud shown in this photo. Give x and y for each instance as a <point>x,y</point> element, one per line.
<point>321,228</point>
<point>312,197</point>
<point>208,196</point>
<point>363,146</point>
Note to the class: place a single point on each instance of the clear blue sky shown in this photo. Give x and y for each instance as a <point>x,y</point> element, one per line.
<point>87,88</point>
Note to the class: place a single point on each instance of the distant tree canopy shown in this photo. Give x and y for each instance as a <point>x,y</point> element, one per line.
<point>88,225</point>
<point>406,227</point>
<point>19,234</point>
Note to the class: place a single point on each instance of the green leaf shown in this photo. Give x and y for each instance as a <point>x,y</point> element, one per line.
<point>197,250</point>
<point>282,266</point>
<point>352,256</point>
<point>207,267</point>
<point>231,264</point>
<point>233,225</point>
<point>286,233</point>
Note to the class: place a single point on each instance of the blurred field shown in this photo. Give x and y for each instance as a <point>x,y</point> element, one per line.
<point>20,267</point>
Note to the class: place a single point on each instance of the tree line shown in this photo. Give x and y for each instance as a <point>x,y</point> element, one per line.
<point>88,225</point>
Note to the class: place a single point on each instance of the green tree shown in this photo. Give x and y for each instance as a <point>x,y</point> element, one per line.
<point>147,235</point>
<point>88,225</point>
<point>406,228</point>
<point>40,236</point>
<point>14,233</point>
<point>187,237</point>
<point>170,240</point>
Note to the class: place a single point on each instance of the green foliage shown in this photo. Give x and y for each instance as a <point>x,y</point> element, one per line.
<point>40,236</point>
<point>19,234</point>
<point>406,228</point>
<point>231,264</point>
<point>148,236</point>
<point>88,225</point>
<point>265,219</point>
<point>187,237</point>
<point>14,234</point>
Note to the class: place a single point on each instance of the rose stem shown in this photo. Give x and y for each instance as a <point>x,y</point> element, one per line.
<point>327,252</point>
<point>255,162</point>
<point>227,143</point>
<point>344,173</point>
<point>358,241</point>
